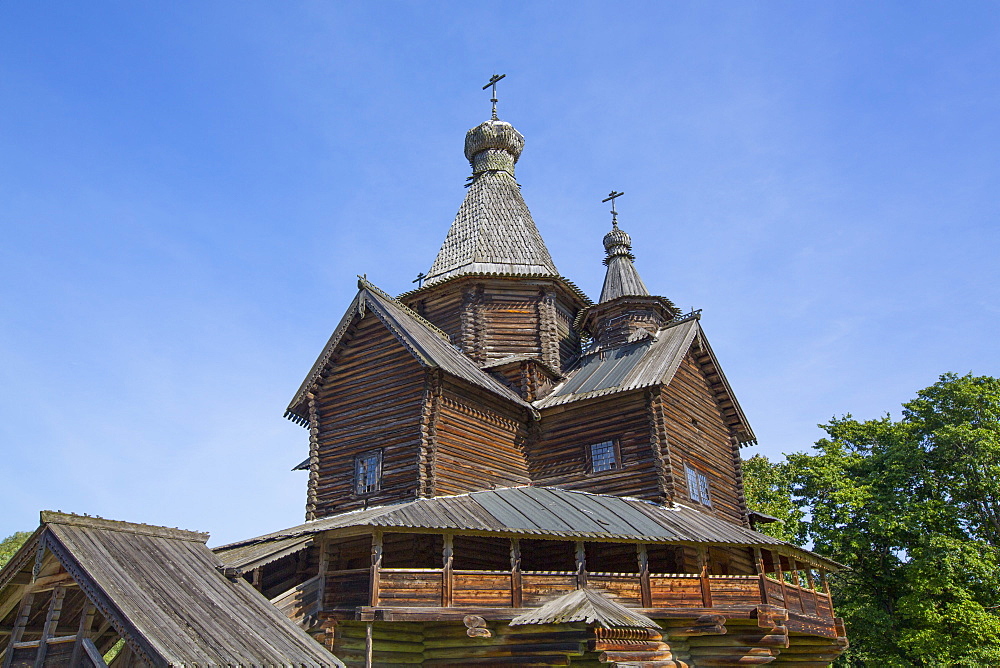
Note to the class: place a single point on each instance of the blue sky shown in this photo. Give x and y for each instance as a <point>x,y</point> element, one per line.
<point>188,190</point>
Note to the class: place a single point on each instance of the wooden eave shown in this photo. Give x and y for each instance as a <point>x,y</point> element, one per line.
<point>569,290</point>
<point>584,319</point>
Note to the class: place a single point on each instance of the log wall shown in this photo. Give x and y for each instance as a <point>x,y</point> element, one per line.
<point>558,457</point>
<point>478,443</point>
<point>494,318</point>
<point>371,400</point>
<point>697,435</point>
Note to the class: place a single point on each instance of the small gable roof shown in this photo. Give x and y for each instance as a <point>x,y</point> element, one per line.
<point>428,345</point>
<point>163,591</point>
<point>645,363</point>
<point>586,605</point>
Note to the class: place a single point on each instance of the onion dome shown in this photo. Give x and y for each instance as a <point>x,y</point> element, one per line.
<point>493,146</point>
<point>617,243</point>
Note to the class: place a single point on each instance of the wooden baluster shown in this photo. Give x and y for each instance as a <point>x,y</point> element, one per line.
<point>826,590</point>
<point>812,587</point>
<point>781,579</point>
<point>759,559</point>
<point>706,582</point>
<point>376,567</point>
<point>369,646</point>
<point>447,574</point>
<point>581,565</point>
<point>515,573</point>
<point>644,585</point>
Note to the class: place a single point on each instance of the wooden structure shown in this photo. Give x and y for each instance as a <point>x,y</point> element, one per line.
<point>492,453</point>
<point>81,586</point>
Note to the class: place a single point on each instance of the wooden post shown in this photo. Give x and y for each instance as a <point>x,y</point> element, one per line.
<point>759,559</point>
<point>781,579</point>
<point>644,586</point>
<point>706,583</point>
<point>369,646</point>
<point>447,574</point>
<point>812,587</point>
<point>376,568</point>
<point>256,578</point>
<point>51,623</point>
<point>324,566</point>
<point>826,590</point>
<point>83,633</point>
<point>515,573</point>
<point>18,631</point>
<point>581,565</point>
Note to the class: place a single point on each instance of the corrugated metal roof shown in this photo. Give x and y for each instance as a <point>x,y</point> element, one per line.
<point>545,511</point>
<point>429,345</point>
<point>585,605</point>
<point>249,557</point>
<point>628,367</point>
<point>163,588</point>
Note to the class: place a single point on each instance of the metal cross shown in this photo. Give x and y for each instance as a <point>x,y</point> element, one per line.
<point>612,196</point>
<point>493,82</point>
<point>419,279</point>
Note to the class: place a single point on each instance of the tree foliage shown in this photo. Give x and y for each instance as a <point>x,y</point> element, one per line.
<point>912,507</point>
<point>12,544</point>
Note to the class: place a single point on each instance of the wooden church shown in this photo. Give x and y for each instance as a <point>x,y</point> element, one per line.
<point>504,472</point>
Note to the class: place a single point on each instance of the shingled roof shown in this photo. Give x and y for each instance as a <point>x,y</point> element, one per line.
<point>493,232</point>
<point>163,591</point>
<point>428,345</point>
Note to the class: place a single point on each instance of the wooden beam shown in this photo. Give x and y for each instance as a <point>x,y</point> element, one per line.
<point>19,625</point>
<point>83,633</point>
<point>51,623</point>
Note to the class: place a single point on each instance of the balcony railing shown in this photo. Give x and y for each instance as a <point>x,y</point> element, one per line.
<point>441,587</point>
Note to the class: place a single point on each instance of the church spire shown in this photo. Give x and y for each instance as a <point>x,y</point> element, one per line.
<point>493,232</point>
<point>622,278</point>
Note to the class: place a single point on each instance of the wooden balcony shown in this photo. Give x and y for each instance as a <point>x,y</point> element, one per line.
<point>466,589</point>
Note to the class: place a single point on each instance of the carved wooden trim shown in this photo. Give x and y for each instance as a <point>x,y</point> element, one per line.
<point>312,489</point>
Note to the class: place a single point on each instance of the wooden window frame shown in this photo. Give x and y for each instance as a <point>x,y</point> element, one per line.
<point>700,490</point>
<point>356,486</point>
<point>615,451</point>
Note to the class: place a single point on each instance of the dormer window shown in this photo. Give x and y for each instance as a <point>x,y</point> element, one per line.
<point>604,457</point>
<point>698,486</point>
<point>367,472</point>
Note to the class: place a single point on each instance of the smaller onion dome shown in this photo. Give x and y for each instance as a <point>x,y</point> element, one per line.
<point>617,243</point>
<point>493,146</point>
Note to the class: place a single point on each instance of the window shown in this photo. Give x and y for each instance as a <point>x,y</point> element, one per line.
<point>367,472</point>
<point>603,457</point>
<point>698,486</point>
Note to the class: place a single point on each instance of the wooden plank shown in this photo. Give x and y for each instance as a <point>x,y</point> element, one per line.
<point>51,623</point>
<point>19,626</point>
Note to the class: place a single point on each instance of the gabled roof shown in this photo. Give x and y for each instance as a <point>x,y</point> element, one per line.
<point>428,345</point>
<point>586,605</point>
<point>534,511</point>
<point>646,363</point>
<point>493,233</point>
<point>163,591</point>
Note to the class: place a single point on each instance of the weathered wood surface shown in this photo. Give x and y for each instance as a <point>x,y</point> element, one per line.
<point>371,400</point>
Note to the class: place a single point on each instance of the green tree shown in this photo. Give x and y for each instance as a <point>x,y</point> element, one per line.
<point>912,507</point>
<point>768,488</point>
<point>12,544</point>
